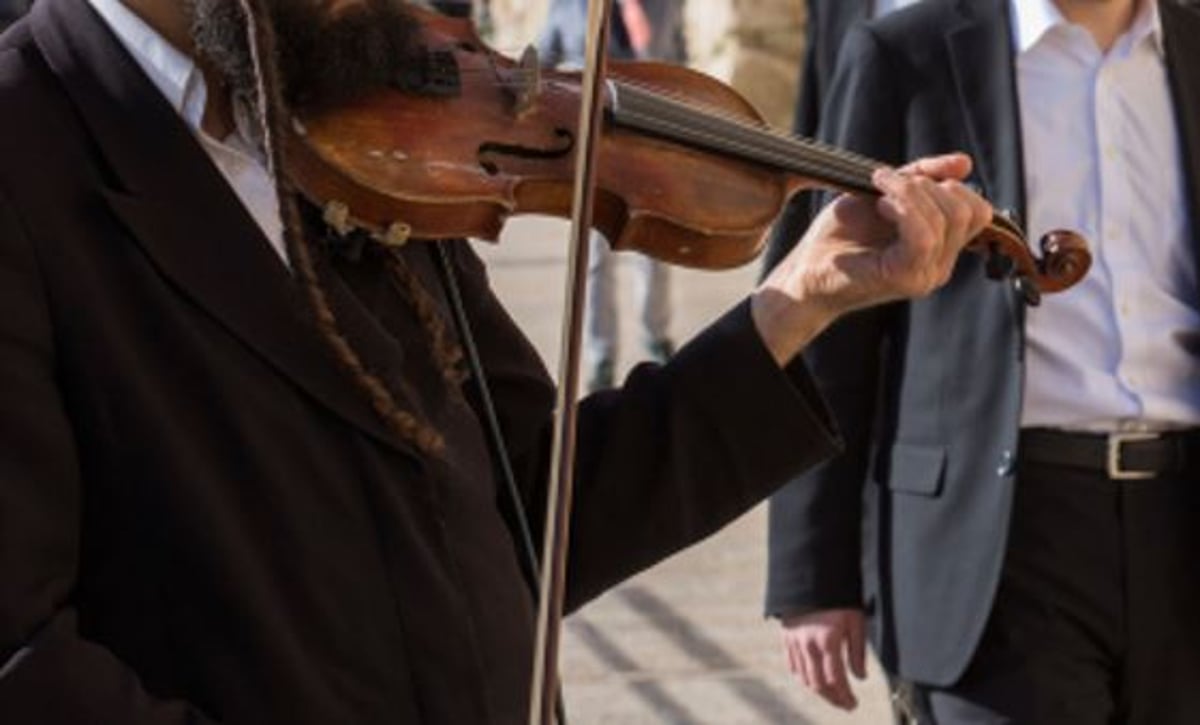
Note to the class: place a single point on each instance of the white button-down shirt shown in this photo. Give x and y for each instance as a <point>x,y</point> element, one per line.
<point>176,76</point>
<point>1102,157</point>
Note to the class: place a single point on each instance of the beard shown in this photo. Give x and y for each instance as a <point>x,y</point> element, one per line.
<point>323,60</point>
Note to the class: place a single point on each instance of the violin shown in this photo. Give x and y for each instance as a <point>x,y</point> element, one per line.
<point>687,170</point>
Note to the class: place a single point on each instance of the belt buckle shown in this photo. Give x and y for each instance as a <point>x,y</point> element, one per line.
<point>1115,441</point>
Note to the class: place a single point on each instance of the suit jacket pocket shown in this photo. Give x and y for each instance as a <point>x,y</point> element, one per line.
<point>915,469</point>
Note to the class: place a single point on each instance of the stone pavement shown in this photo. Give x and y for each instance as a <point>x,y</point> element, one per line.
<point>684,642</point>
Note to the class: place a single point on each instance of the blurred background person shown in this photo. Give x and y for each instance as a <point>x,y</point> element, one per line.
<point>791,597</point>
<point>642,29</point>
<point>1017,508</point>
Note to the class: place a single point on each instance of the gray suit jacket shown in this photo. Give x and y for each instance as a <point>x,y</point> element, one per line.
<point>929,393</point>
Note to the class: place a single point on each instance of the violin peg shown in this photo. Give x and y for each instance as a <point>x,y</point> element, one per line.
<point>337,216</point>
<point>998,266</point>
<point>1011,216</point>
<point>1028,290</point>
<point>396,236</point>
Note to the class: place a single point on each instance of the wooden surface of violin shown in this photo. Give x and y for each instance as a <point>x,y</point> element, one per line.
<point>687,172</point>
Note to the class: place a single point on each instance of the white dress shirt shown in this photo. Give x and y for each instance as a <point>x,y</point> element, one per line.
<point>1102,157</point>
<point>176,76</point>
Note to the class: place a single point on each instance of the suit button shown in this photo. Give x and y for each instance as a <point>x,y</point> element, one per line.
<point>1008,465</point>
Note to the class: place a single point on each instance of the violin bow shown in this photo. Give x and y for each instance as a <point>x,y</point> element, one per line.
<point>555,541</point>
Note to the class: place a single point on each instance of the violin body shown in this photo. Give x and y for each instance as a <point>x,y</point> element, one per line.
<point>460,162</point>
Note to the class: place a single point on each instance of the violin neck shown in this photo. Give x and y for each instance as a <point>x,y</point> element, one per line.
<point>653,113</point>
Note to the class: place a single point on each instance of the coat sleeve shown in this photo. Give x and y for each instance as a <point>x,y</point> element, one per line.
<point>815,529</point>
<point>681,450</point>
<point>49,674</point>
<point>676,453</point>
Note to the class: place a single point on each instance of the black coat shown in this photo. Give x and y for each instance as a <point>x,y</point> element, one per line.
<point>10,10</point>
<point>929,393</point>
<point>201,517</point>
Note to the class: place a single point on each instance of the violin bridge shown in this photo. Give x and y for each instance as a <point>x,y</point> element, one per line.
<point>529,81</point>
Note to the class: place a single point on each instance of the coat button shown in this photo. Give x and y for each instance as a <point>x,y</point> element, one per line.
<point>1007,465</point>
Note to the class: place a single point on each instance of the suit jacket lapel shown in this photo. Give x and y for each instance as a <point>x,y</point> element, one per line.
<point>182,212</point>
<point>842,15</point>
<point>981,55</point>
<point>1181,27</point>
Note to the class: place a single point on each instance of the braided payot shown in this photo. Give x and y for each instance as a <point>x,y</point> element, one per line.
<point>272,116</point>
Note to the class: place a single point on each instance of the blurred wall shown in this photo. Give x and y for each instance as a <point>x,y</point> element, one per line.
<point>755,45</point>
<point>516,23</point>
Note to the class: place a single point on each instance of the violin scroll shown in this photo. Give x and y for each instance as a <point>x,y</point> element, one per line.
<point>1064,260</point>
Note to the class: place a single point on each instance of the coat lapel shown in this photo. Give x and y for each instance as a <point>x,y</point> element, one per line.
<point>184,215</point>
<point>842,15</point>
<point>1181,27</point>
<point>981,60</point>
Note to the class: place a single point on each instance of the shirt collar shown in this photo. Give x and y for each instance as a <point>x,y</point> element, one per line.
<point>170,70</point>
<point>1148,24</point>
<point>1032,19</point>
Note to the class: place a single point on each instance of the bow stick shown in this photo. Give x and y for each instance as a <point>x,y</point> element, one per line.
<point>562,457</point>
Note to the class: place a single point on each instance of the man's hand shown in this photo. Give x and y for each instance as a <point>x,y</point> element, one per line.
<point>860,252</point>
<point>818,647</point>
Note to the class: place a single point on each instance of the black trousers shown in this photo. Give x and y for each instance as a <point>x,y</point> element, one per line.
<point>1097,618</point>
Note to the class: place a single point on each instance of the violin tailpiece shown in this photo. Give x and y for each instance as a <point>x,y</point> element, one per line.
<point>434,74</point>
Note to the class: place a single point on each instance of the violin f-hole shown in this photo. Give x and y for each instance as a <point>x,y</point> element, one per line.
<point>490,153</point>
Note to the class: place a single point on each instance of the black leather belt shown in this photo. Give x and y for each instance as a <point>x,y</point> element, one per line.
<point>1120,456</point>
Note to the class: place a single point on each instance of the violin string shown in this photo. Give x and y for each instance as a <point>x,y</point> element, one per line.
<point>824,154</point>
<point>857,163</point>
<point>787,148</point>
<point>784,148</point>
<point>770,145</point>
<point>738,145</point>
<point>752,152</point>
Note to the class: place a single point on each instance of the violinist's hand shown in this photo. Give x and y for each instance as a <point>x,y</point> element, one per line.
<point>860,252</point>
